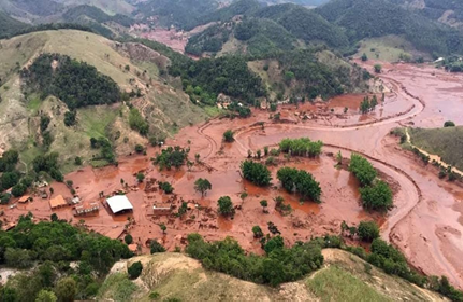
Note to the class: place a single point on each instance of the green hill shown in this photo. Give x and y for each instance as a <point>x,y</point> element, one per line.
<point>343,277</point>
<point>376,18</point>
<point>9,25</point>
<point>21,111</point>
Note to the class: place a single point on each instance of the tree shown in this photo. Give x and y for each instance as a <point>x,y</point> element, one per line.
<point>256,173</point>
<point>362,170</point>
<point>5,198</point>
<point>18,190</point>
<point>364,57</point>
<point>46,296</point>
<point>228,136</point>
<point>243,196</point>
<point>156,247</point>
<point>78,161</point>
<point>225,206</point>
<point>265,151</point>
<point>166,187</point>
<point>257,231</point>
<point>378,197</point>
<point>300,182</point>
<point>263,203</point>
<point>139,148</point>
<point>197,157</point>
<point>66,289</point>
<point>128,239</point>
<point>70,118</point>
<point>449,124</point>
<point>378,68</point>
<point>135,270</point>
<point>368,231</point>
<point>202,185</point>
<point>163,228</point>
<point>54,217</point>
<point>259,154</point>
<point>140,177</point>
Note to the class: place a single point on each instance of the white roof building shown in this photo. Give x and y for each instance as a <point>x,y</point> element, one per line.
<point>119,203</point>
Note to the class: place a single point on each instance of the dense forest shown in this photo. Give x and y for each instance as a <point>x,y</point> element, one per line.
<point>77,84</point>
<point>260,37</point>
<point>94,18</point>
<point>375,18</point>
<point>183,14</point>
<point>47,249</point>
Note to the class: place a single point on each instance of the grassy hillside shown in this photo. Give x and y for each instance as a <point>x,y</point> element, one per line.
<point>19,114</point>
<point>444,142</point>
<point>173,275</point>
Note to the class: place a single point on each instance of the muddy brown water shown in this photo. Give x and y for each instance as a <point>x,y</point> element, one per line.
<point>426,223</point>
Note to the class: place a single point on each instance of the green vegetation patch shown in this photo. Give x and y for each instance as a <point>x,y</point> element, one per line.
<point>118,287</point>
<point>335,284</point>
<point>444,142</point>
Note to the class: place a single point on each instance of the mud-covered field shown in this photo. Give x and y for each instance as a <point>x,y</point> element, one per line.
<point>426,223</point>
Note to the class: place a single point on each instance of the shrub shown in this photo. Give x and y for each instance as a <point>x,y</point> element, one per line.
<point>368,231</point>
<point>128,239</point>
<point>135,270</point>
<point>228,136</point>
<point>156,247</point>
<point>449,124</point>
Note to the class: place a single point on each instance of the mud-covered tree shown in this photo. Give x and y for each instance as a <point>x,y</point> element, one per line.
<point>368,231</point>
<point>257,231</point>
<point>140,177</point>
<point>256,173</point>
<point>202,185</point>
<point>263,203</point>
<point>243,196</point>
<point>300,182</point>
<point>228,136</point>
<point>156,247</point>
<point>163,228</point>
<point>226,206</point>
<point>378,68</point>
<point>364,57</point>
<point>378,197</point>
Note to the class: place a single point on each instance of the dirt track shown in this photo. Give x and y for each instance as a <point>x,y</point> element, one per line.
<point>426,223</point>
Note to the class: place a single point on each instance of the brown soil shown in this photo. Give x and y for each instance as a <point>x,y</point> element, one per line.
<point>426,223</point>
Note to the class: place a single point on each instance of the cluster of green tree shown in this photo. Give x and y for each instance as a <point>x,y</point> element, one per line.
<point>78,84</point>
<point>305,24</point>
<point>209,40</point>
<point>10,177</point>
<point>106,150</point>
<point>94,18</point>
<point>49,164</point>
<point>376,194</point>
<point>166,187</point>
<point>435,9</point>
<point>279,265</point>
<point>300,182</point>
<point>10,27</point>
<point>256,173</point>
<point>362,170</point>
<point>261,37</point>
<point>50,247</point>
<point>301,147</point>
<point>229,75</point>
<point>241,111</point>
<point>376,18</point>
<point>314,78</point>
<point>452,64</point>
<point>137,122</point>
<point>183,14</point>
<point>367,105</point>
<point>9,160</point>
<point>169,157</point>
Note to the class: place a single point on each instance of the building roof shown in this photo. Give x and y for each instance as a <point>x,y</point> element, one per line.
<point>162,206</point>
<point>119,203</point>
<point>58,201</point>
<point>24,199</point>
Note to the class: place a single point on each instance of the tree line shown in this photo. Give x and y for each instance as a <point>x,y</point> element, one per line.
<point>47,249</point>
<point>77,84</point>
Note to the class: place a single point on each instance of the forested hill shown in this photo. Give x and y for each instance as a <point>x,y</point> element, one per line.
<point>9,25</point>
<point>376,18</point>
<point>444,11</point>
<point>183,14</point>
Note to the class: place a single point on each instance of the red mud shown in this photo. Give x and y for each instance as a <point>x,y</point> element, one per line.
<point>426,223</point>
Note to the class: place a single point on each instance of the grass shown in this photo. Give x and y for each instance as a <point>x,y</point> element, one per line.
<point>335,284</point>
<point>95,120</point>
<point>34,103</point>
<point>212,111</point>
<point>446,143</point>
<point>388,49</point>
<point>117,287</point>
